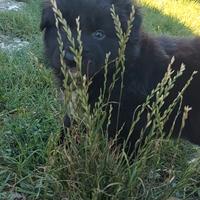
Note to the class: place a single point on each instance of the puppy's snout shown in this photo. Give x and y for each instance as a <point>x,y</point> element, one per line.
<point>70,61</point>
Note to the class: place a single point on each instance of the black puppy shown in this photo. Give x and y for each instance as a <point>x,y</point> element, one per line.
<point>147,59</point>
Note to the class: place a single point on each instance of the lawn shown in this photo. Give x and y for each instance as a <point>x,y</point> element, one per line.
<point>33,166</point>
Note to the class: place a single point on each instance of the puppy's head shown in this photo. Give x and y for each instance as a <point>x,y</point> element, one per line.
<point>98,32</point>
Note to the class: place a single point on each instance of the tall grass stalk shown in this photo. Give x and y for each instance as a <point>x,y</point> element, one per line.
<point>87,166</point>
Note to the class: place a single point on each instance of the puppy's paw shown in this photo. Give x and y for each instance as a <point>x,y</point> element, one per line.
<point>63,132</point>
<point>67,121</point>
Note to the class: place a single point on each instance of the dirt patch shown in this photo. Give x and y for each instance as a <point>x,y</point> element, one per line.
<point>11,5</point>
<point>12,44</point>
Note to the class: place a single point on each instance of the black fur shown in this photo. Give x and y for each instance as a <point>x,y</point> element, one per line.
<point>147,59</point>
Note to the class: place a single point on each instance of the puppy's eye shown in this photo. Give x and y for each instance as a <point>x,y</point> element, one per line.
<point>99,35</point>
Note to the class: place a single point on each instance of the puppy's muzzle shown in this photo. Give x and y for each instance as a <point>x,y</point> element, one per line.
<point>70,62</point>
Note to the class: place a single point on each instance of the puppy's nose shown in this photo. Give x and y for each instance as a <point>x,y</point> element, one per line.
<point>70,61</point>
<point>69,56</point>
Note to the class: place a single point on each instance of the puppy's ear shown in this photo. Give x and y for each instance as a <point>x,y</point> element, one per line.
<point>122,4</point>
<point>137,22</point>
<point>43,22</point>
<point>135,36</point>
<point>47,17</point>
<point>124,8</point>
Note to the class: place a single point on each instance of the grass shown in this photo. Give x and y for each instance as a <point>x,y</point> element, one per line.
<point>185,12</point>
<point>31,163</point>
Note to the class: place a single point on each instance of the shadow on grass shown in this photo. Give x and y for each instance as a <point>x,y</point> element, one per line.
<point>158,23</point>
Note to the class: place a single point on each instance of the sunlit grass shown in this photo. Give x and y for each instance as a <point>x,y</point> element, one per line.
<point>185,11</point>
